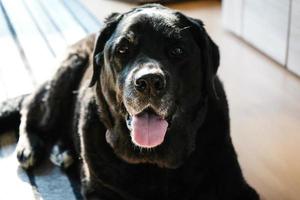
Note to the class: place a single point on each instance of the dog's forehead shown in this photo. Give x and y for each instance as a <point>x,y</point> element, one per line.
<point>165,15</point>
<point>153,16</point>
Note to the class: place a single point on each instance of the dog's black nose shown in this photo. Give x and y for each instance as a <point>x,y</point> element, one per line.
<point>153,83</point>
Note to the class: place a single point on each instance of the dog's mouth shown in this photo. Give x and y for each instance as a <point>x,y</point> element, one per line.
<point>147,128</point>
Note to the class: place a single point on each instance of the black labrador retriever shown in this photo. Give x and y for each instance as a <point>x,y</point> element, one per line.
<point>140,107</point>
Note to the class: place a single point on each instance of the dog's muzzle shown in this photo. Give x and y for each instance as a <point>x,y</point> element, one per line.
<point>146,106</point>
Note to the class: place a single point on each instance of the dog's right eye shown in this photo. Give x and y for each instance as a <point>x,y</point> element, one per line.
<point>122,49</point>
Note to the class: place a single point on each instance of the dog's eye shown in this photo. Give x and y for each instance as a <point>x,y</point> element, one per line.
<point>123,49</point>
<point>176,52</point>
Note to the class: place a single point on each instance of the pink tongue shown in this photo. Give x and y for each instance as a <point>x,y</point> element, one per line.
<point>148,130</point>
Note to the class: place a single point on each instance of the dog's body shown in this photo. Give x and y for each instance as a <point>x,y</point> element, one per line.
<point>101,97</point>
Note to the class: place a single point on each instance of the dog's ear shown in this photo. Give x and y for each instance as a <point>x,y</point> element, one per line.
<point>103,36</point>
<point>209,53</point>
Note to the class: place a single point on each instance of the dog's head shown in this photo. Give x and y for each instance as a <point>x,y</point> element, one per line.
<point>153,69</point>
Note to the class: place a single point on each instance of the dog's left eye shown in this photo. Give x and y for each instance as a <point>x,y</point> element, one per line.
<point>176,52</point>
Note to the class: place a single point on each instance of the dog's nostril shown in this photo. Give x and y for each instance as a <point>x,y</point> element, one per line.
<point>140,84</point>
<point>158,83</point>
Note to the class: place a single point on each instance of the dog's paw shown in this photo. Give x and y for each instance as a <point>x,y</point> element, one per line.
<point>61,157</point>
<point>26,157</point>
<point>28,151</point>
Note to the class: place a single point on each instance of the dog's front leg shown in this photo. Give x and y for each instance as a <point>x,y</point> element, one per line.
<point>43,113</point>
<point>92,142</point>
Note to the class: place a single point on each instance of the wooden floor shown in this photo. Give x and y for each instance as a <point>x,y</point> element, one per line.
<point>264,98</point>
<point>33,33</point>
<point>264,104</point>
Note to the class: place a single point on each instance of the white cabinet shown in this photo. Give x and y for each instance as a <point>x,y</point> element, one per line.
<point>232,15</point>
<point>293,62</point>
<point>272,26</point>
<point>265,25</point>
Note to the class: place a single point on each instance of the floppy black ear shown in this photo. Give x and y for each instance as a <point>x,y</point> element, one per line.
<point>104,34</point>
<point>209,53</point>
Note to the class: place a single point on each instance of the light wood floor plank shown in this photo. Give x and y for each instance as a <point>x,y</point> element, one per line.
<point>83,16</point>
<point>48,28</point>
<point>36,50</point>
<point>15,79</point>
<point>71,30</point>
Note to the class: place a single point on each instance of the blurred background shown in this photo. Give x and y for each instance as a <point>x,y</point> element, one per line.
<point>260,68</point>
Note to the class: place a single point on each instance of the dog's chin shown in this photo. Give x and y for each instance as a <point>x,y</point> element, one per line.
<point>147,128</point>
<point>146,139</point>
